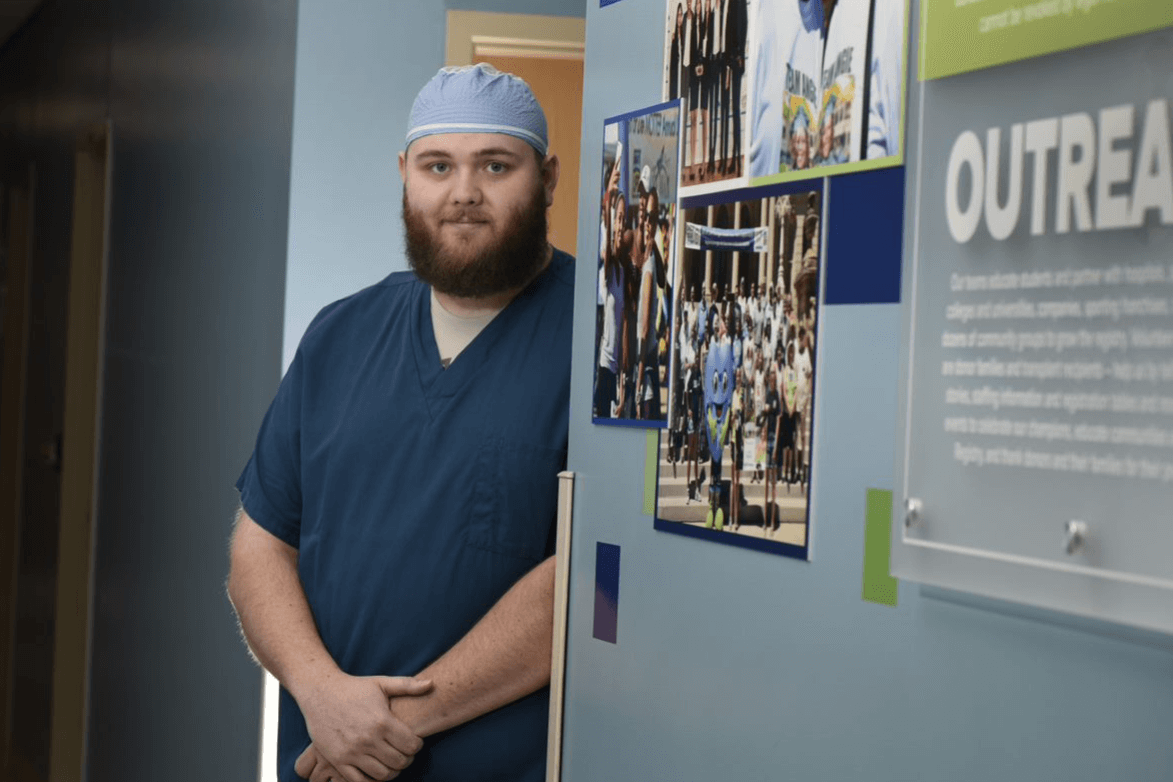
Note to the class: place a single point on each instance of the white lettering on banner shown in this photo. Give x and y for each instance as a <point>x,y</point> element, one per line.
<point>1132,175</point>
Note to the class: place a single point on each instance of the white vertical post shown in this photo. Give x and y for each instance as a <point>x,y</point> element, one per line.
<point>561,609</point>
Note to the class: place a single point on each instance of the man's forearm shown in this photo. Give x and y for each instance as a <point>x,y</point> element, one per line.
<point>347,716</point>
<point>270,603</point>
<point>505,656</point>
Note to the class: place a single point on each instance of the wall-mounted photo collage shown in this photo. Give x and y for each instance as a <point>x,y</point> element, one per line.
<point>711,240</point>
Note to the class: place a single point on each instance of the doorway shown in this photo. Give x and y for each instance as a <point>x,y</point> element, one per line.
<point>548,52</point>
<point>48,489</point>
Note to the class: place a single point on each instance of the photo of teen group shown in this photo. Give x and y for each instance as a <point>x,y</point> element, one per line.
<point>637,236</point>
<point>736,457</point>
<point>705,66</point>
<point>826,85</point>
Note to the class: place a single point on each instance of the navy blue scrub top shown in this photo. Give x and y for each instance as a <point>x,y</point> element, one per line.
<point>417,495</point>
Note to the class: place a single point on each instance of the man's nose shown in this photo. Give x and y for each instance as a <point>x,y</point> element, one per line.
<point>466,187</point>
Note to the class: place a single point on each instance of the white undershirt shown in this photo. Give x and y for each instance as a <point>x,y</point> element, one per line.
<point>454,333</point>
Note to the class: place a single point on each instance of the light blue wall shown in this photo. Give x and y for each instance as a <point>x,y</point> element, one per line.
<point>359,66</point>
<point>737,665</point>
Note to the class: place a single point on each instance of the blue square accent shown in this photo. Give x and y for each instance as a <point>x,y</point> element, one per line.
<point>865,233</point>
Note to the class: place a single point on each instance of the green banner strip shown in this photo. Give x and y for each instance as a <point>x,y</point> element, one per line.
<point>964,35</point>
<point>651,461</point>
<point>878,585</point>
<point>820,172</point>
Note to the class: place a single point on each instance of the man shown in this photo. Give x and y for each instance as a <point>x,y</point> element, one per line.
<point>827,153</point>
<point>718,12</point>
<point>694,71</point>
<point>885,79</point>
<point>788,54</point>
<point>735,35</point>
<point>800,142</point>
<point>397,513</point>
<point>651,270</point>
<point>677,55</point>
<point>846,24</point>
<point>614,273</point>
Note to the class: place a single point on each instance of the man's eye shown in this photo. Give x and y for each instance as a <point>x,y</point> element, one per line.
<point>438,168</point>
<point>497,167</point>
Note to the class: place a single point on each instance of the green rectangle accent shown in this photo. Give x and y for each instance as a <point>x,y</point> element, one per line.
<point>964,35</point>
<point>651,462</point>
<point>878,585</point>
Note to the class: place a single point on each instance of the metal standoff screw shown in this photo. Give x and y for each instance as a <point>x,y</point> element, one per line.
<point>913,508</point>
<point>1076,535</point>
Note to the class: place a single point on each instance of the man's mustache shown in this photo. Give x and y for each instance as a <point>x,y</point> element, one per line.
<point>464,216</point>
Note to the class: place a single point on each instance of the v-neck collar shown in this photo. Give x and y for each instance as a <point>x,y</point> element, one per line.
<point>438,384</point>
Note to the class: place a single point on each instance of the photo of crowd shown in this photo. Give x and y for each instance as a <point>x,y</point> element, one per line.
<point>705,66</point>
<point>637,234</point>
<point>826,84</point>
<point>736,457</point>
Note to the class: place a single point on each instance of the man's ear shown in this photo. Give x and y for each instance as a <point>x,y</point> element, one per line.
<point>403,166</point>
<point>550,170</point>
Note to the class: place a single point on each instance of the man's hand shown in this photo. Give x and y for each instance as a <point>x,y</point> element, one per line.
<point>310,765</point>
<point>353,730</point>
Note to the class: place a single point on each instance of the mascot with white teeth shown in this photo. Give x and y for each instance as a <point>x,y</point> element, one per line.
<point>720,374</point>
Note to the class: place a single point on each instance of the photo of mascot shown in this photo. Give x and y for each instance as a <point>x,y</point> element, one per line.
<point>720,370</point>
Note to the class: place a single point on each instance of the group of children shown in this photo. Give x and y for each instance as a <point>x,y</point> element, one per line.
<point>744,385</point>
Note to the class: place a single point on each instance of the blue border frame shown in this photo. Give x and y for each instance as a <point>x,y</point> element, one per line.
<point>765,191</point>
<point>641,112</point>
<point>637,423</point>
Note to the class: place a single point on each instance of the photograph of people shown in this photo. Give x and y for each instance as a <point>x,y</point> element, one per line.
<point>886,78</point>
<point>743,371</point>
<point>705,65</point>
<point>824,92</point>
<point>787,60</point>
<point>637,231</point>
<point>844,75</point>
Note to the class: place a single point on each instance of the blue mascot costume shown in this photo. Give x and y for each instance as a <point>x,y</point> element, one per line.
<point>720,369</point>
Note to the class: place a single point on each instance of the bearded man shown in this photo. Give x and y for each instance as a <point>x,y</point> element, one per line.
<point>391,564</point>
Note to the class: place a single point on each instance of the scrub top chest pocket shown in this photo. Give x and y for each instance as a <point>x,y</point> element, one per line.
<point>514,499</point>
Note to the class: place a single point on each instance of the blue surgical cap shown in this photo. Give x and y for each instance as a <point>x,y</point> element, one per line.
<point>478,99</point>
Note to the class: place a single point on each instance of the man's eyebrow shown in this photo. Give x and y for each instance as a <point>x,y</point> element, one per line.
<point>429,155</point>
<point>433,154</point>
<point>497,152</point>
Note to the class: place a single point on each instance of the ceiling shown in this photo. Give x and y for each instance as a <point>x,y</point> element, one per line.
<point>12,16</point>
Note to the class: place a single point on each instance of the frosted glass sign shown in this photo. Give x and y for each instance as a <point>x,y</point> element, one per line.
<point>1039,442</point>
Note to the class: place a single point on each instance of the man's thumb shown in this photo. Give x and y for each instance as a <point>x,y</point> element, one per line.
<point>395,686</point>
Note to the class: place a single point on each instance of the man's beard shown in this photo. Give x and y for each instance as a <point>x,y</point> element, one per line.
<point>505,263</point>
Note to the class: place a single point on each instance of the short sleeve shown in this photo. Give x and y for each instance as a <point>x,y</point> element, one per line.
<point>270,486</point>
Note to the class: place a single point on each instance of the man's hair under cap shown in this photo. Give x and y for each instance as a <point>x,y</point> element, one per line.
<point>478,99</point>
